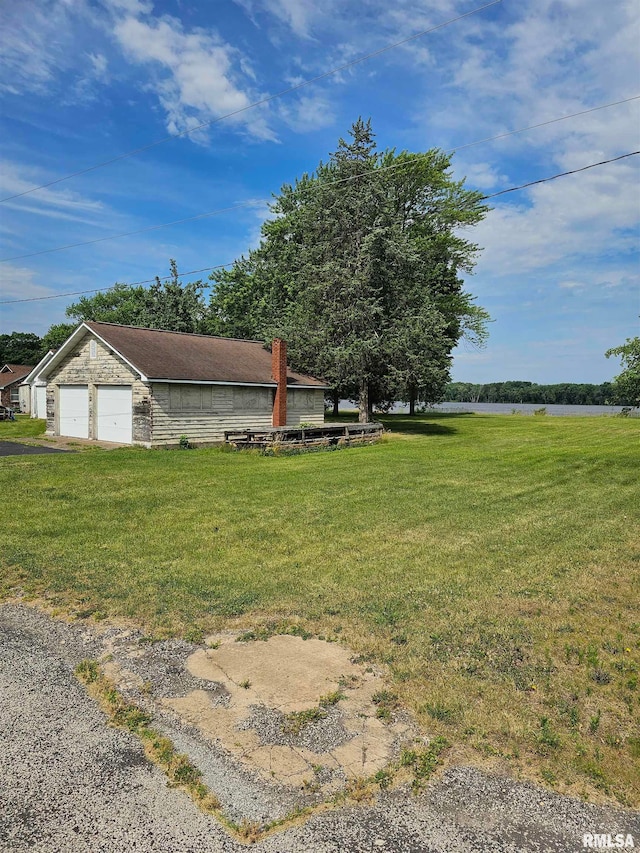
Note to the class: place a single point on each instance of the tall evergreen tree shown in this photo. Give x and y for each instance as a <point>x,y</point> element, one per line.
<point>358,269</point>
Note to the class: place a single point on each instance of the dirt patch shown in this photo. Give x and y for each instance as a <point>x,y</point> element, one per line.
<point>73,783</point>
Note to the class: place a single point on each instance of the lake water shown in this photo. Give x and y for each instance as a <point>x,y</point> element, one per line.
<point>508,408</point>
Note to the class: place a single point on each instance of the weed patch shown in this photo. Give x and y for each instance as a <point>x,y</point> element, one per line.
<point>423,762</point>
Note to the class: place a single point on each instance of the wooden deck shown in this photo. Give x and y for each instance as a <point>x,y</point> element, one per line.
<point>305,437</point>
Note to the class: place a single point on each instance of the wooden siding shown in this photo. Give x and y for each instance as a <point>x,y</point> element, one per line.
<point>203,412</point>
<point>174,412</point>
<point>305,406</point>
<point>78,368</point>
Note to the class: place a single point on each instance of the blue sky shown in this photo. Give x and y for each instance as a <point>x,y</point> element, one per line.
<point>82,81</point>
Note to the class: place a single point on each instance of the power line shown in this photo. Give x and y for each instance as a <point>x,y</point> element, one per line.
<point>251,202</point>
<point>545,123</point>
<point>129,284</point>
<point>259,103</point>
<point>560,175</point>
<point>231,263</point>
<point>132,233</point>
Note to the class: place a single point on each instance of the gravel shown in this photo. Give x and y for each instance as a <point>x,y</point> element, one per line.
<point>163,664</point>
<point>321,735</point>
<point>71,783</point>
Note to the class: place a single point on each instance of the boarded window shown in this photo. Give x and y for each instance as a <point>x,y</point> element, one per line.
<point>249,399</point>
<point>190,398</point>
<point>301,401</point>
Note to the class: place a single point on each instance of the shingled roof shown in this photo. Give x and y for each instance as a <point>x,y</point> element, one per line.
<point>11,373</point>
<point>185,357</point>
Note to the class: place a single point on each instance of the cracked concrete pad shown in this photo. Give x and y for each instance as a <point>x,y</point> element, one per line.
<point>285,672</point>
<point>266,681</point>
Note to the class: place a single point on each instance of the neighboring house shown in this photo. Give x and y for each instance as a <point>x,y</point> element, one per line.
<point>33,390</point>
<point>11,377</point>
<point>151,387</point>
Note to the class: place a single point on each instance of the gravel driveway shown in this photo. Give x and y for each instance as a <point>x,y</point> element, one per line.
<point>71,783</point>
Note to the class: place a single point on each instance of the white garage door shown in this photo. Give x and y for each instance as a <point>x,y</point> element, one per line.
<point>74,410</point>
<point>114,413</point>
<point>41,402</point>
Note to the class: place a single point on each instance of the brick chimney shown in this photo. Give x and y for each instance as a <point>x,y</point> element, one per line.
<point>279,373</point>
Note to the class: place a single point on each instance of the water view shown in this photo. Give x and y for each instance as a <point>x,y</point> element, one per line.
<point>508,408</point>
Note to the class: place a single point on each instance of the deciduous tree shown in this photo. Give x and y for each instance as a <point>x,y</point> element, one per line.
<point>165,305</point>
<point>626,386</point>
<point>20,348</point>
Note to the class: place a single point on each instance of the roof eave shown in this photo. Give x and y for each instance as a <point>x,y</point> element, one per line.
<point>290,387</point>
<point>31,377</point>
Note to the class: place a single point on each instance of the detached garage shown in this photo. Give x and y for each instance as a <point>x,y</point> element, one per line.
<point>33,391</point>
<point>129,385</point>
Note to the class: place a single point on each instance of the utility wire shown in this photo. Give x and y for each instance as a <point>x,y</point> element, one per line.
<point>560,175</point>
<point>231,263</point>
<point>139,231</point>
<point>129,284</point>
<point>259,103</point>
<point>545,123</point>
<point>251,202</point>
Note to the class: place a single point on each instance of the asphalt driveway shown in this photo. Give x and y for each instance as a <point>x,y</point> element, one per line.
<point>14,448</point>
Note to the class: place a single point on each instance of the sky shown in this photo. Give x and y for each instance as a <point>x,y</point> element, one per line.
<point>84,81</point>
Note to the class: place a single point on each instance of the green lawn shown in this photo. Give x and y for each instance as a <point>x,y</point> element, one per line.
<point>491,562</point>
<point>22,427</point>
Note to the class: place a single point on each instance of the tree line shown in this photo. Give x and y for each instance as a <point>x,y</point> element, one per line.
<point>562,393</point>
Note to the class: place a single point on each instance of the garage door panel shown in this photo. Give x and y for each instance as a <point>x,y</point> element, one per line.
<point>41,402</point>
<point>114,413</point>
<point>73,408</point>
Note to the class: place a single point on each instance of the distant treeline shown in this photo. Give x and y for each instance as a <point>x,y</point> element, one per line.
<point>565,393</point>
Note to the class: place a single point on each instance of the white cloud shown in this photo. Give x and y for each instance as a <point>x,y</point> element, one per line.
<point>21,283</point>
<point>300,16</point>
<point>571,285</point>
<point>35,47</point>
<point>198,76</point>
<point>15,178</point>
<point>99,63</point>
<point>130,7</point>
<point>580,215</point>
<point>308,112</point>
<point>18,283</point>
<point>480,175</point>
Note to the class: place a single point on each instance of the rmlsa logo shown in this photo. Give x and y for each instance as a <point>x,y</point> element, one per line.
<point>607,842</point>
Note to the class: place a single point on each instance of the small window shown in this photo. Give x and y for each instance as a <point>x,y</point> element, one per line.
<point>15,395</point>
<point>93,350</point>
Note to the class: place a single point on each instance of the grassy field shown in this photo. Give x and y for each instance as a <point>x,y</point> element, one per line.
<point>490,562</point>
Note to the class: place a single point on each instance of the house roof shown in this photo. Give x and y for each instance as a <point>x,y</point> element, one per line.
<point>177,356</point>
<point>11,373</point>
